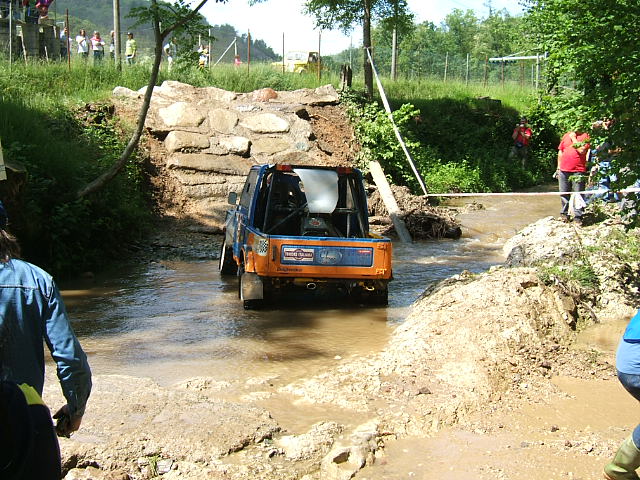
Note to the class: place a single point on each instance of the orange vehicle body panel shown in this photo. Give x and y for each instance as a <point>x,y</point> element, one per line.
<point>264,258</point>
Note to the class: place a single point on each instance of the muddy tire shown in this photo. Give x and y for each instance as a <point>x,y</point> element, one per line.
<point>252,304</point>
<point>377,297</point>
<point>226,264</point>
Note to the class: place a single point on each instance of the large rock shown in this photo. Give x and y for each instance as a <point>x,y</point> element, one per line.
<point>222,120</point>
<point>266,123</point>
<point>235,144</point>
<point>227,164</point>
<point>312,444</point>
<point>178,140</point>
<point>181,114</point>
<point>269,145</point>
<point>219,95</point>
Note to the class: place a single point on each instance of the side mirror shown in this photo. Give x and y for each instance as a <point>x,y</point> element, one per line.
<point>232,198</point>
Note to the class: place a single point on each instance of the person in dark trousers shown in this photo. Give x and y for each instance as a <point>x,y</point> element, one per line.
<point>521,136</point>
<point>572,173</point>
<point>627,458</point>
<point>32,312</point>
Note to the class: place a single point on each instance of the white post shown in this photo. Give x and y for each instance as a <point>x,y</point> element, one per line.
<point>394,54</point>
<point>446,66</point>
<point>467,76</point>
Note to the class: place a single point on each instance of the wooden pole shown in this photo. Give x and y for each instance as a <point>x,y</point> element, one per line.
<point>248,50</point>
<point>116,34</point>
<point>389,201</point>
<point>486,70</point>
<point>283,53</point>
<point>318,59</point>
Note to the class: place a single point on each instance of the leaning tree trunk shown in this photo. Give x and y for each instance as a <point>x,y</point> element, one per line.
<point>159,37</point>
<point>107,176</point>
<point>366,41</point>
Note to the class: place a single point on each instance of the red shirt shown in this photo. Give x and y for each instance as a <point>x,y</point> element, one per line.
<point>572,160</point>
<point>522,136</point>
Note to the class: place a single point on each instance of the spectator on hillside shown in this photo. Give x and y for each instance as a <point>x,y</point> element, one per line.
<point>112,45</point>
<point>97,46</point>
<point>521,136</point>
<point>83,44</point>
<point>42,6</point>
<point>64,43</point>
<point>171,51</point>
<point>131,48</point>
<point>203,60</point>
<point>571,174</point>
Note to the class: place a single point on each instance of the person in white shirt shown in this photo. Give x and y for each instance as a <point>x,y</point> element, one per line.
<point>83,44</point>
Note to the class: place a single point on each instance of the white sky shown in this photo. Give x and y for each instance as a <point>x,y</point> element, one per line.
<point>269,20</point>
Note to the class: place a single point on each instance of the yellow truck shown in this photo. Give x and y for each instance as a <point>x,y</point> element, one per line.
<point>299,62</point>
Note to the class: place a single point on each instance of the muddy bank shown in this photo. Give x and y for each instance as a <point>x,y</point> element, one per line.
<point>475,350</point>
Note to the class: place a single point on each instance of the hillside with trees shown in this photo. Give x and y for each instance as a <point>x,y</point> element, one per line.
<point>99,16</point>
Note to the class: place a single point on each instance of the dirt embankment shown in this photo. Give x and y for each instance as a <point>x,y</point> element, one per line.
<point>474,369</point>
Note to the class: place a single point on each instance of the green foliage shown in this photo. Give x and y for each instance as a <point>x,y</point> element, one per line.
<point>580,274</point>
<point>592,46</point>
<point>458,142</point>
<point>43,131</point>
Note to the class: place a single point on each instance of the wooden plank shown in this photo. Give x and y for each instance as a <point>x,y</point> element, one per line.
<point>389,201</point>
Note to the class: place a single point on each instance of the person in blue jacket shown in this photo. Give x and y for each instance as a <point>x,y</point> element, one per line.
<point>32,311</point>
<point>627,458</point>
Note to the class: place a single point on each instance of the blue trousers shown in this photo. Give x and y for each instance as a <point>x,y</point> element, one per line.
<point>631,383</point>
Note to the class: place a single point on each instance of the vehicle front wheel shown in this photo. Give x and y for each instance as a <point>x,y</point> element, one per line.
<point>226,264</point>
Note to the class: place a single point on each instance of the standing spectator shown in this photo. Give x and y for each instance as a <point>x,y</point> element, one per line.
<point>32,311</point>
<point>236,61</point>
<point>131,48</point>
<point>171,50</point>
<point>97,45</point>
<point>521,136</point>
<point>42,6</point>
<point>83,44</point>
<point>203,60</point>
<point>64,43</point>
<point>627,458</point>
<point>571,173</point>
<point>112,45</point>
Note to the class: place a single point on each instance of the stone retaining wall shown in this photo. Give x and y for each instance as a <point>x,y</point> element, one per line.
<point>211,137</point>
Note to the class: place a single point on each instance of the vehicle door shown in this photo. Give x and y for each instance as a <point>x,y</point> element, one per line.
<point>243,211</point>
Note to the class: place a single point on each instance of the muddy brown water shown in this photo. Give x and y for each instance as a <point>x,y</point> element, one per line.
<point>174,320</point>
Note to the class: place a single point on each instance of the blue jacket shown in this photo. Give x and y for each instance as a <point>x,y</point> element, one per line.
<point>31,309</point>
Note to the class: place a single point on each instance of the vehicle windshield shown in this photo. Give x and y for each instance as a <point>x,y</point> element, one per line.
<point>297,56</point>
<point>320,188</point>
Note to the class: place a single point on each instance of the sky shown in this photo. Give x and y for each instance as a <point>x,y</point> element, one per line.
<point>271,19</point>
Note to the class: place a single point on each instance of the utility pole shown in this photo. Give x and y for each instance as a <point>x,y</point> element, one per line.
<point>116,33</point>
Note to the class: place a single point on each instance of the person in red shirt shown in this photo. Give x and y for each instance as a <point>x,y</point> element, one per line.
<point>521,136</point>
<point>571,172</point>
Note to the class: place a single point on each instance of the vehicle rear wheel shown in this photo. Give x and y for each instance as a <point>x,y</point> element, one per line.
<point>226,264</point>
<point>377,297</point>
